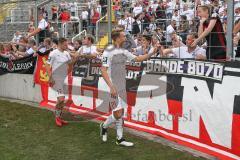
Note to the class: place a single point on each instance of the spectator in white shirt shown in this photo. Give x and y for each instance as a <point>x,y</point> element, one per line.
<point>152,25</point>
<point>188,12</point>
<point>41,30</point>
<point>139,22</point>
<point>187,52</point>
<point>17,37</point>
<point>73,8</point>
<point>154,5</point>
<point>88,50</point>
<point>170,30</point>
<point>178,5</point>
<point>122,21</point>
<point>99,8</point>
<point>222,9</point>
<point>237,12</point>
<point>84,17</point>
<point>205,2</point>
<point>176,17</point>
<point>169,9</point>
<point>129,22</point>
<point>138,40</point>
<point>137,9</point>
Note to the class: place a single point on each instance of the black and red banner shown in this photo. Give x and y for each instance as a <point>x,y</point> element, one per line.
<point>194,103</point>
<point>24,65</point>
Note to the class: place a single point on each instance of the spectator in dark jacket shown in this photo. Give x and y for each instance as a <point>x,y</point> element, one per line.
<point>161,15</point>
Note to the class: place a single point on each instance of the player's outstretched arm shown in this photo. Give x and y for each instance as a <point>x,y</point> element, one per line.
<point>167,51</point>
<point>148,55</point>
<point>90,56</point>
<point>74,58</point>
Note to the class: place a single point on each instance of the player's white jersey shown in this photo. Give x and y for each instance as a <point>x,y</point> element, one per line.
<point>115,59</point>
<point>59,62</point>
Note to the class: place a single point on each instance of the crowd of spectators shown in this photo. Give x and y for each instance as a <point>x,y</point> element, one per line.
<point>173,20</point>
<point>192,29</point>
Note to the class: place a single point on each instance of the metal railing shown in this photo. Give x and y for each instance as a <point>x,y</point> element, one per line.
<point>67,29</point>
<point>97,27</point>
<point>64,30</point>
<point>79,35</point>
<point>5,11</point>
<point>19,15</point>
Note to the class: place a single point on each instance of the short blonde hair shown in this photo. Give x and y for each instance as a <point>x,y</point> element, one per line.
<point>116,33</point>
<point>206,8</point>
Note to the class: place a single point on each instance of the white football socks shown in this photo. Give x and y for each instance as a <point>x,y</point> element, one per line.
<point>119,128</point>
<point>110,120</point>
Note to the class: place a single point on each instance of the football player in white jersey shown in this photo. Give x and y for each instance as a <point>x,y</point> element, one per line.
<point>114,73</point>
<point>57,69</point>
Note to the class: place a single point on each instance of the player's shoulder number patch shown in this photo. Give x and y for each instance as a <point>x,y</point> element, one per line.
<point>105,60</point>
